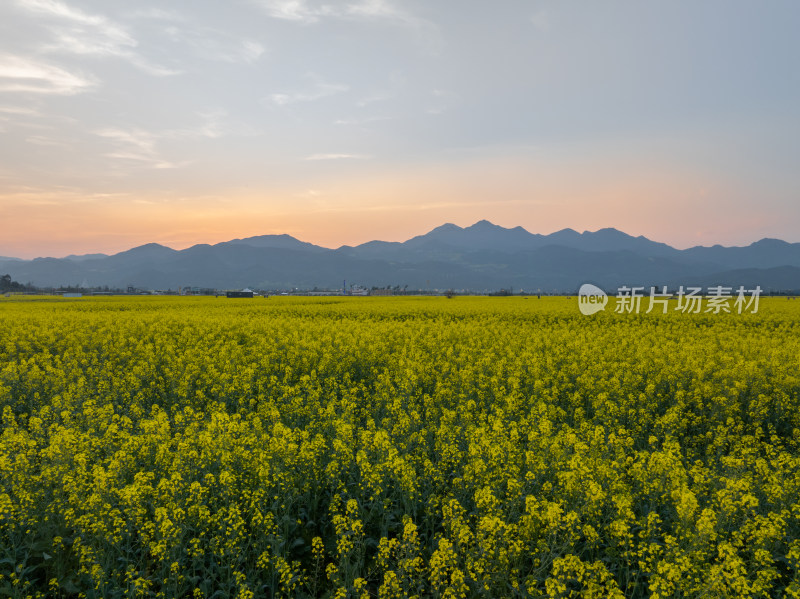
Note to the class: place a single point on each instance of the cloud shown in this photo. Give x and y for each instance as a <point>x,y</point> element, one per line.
<point>137,145</point>
<point>19,110</point>
<point>59,9</point>
<point>212,44</point>
<point>140,145</point>
<point>78,32</point>
<point>156,14</point>
<point>240,51</point>
<point>336,157</point>
<point>157,164</point>
<point>319,91</point>
<point>375,9</point>
<point>251,50</point>
<point>289,10</point>
<point>85,34</point>
<point>138,138</point>
<point>150,68</point>
<point>19,74</point>
<point>372,98</point>
<point>213,125</point>
<point>41,140</point>
<point>304,12</point>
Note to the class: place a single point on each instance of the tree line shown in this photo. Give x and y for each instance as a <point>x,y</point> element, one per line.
<point>6,284</point>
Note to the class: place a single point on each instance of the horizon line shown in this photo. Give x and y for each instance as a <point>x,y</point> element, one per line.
<point>565,229</point>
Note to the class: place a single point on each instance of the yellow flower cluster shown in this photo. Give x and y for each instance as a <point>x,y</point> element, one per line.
<point>396,447</point>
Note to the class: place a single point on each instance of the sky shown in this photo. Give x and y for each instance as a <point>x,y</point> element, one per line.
<point>183,122</point>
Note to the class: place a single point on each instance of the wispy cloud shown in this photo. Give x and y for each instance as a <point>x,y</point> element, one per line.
<point>141,145</point>
<point>337,157</point>
<point>143,141</point>
<point>293,10</point>
<point>310,12</point>
<point>19,74</point>
<point>86,34</point>
<point>251,50</point>
<point>137,145</point>
<point>372,98</point>
<point>77,32</point>
<point>157,14</point>
<point>305,12</point>
<point>60,9</point>
<point>19,110</point>
<point>41,140</point>
<point>216,45</point>
<point>317,92</point>
<point>375,9</point>
<point>213,125</point>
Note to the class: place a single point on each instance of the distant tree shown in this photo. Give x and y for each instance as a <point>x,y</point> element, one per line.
<point>6,284</point>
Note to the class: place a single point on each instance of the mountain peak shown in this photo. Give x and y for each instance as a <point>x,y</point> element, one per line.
<point>281,241</point>
<point>770,242</point>
<point>485,224</point>
<point>565,234</point>
<point>148,247</point>
<point>446,228</point>
<point>609,231</point>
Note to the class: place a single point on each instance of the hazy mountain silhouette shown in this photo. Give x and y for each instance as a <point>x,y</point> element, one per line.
<point>481,257</point>
<point>83,257</point>
<point>286,242</point>
<point>450,241</point>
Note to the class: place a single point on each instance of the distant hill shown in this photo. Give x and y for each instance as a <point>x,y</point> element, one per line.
<point>83,257</point>
<point>481,257</point>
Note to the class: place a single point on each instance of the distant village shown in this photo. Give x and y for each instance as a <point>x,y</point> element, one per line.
<point>9,287</point>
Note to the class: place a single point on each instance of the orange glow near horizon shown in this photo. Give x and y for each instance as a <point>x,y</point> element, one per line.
<point>390,206</point>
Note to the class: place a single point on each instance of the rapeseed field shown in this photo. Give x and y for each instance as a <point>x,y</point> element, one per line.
<point>396,447</point>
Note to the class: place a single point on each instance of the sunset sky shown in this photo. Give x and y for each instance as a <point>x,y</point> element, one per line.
<point>123,123</point>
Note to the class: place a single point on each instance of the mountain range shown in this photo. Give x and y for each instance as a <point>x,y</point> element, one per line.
<point>482,257</point>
